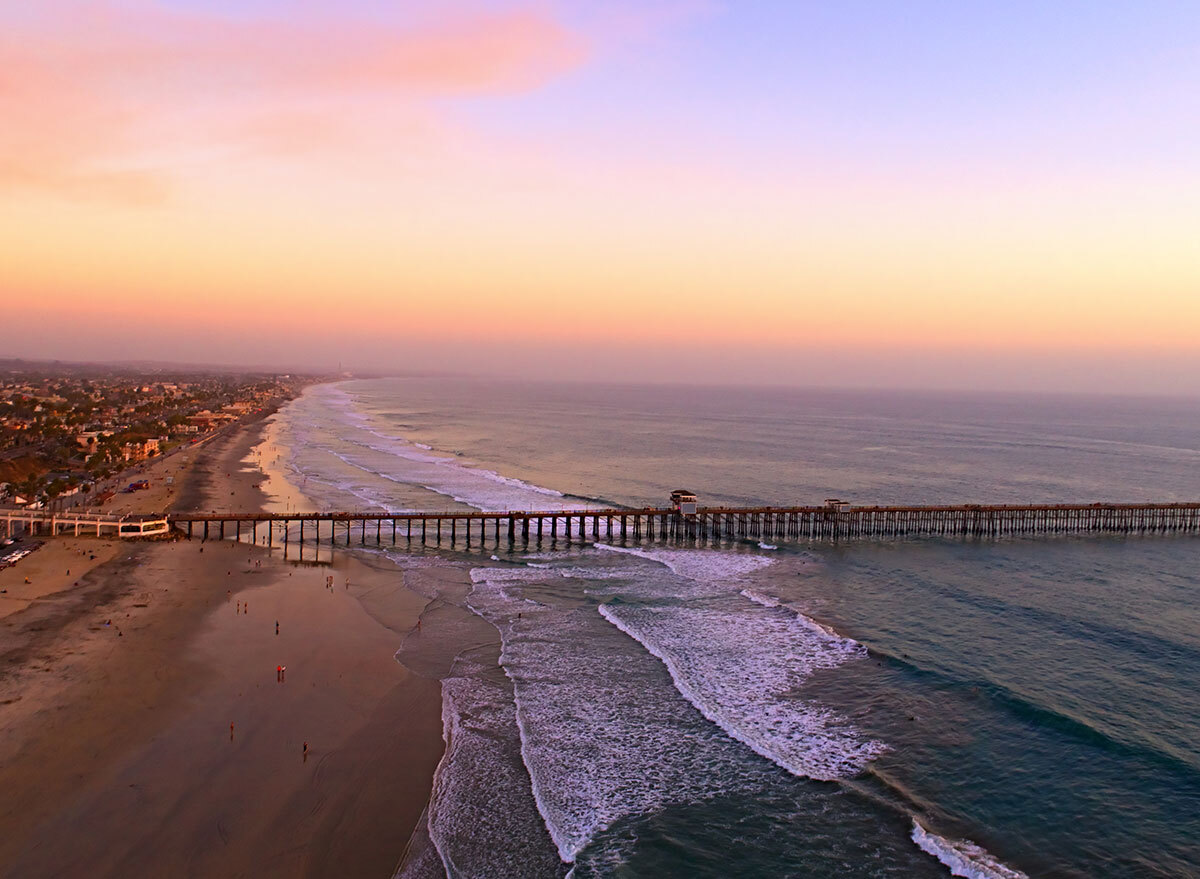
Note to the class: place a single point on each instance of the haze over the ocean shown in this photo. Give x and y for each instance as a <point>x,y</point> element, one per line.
<point>854,193</point>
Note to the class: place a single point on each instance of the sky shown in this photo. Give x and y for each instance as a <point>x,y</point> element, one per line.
<point>890,194</point>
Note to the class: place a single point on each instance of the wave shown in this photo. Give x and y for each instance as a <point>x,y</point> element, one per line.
<point>804,619</point>
<point>1058,718</point>
<point>412,451</point>
<point>472,495</point>
<point>701,565</point>
<point>740,670</point>
<point>598,746</point>
<point>1150,747</point>
<point>761,598</point>
<point>481,818</point>
<point>416,464</point>
<point>462,494</point>
<point>962,857</point>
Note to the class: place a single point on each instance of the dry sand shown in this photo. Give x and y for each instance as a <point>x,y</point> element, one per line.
<point>60,564</point>
<point>55,566</point>
<point>116,699</point>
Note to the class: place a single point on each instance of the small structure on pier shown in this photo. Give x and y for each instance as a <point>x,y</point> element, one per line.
<point>837,504</point>
<point>683,502</point>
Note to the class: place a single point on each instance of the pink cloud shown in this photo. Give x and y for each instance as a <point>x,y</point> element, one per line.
<point>86,91</point>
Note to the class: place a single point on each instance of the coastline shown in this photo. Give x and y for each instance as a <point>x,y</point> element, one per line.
<point>117,695</point>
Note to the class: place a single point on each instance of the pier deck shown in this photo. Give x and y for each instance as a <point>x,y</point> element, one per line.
<point>707,524</point>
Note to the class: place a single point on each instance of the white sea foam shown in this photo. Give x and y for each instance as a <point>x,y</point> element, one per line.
<point>599,737</point>
<point>471,486</point>
<point>406,560</point>
<point>482,820</point>
<point>964,858</point>
<point>532,573</point>
<point>804,619</point>
<point>761,598</point>
<point>762,545</point>
<point>451,470</point>
<point>707,566</point>
<point>384,454</point>
<point>740,665</point>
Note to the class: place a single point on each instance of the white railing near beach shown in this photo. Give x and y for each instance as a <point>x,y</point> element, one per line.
<point>43,522</point>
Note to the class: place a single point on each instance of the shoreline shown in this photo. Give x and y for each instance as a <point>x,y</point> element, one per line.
<point>117,695</point>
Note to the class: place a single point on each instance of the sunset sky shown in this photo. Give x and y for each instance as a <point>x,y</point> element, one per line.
<point>994,195</point>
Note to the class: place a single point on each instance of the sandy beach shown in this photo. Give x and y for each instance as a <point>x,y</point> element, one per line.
<point>145,731</point>
<point>59,565</point>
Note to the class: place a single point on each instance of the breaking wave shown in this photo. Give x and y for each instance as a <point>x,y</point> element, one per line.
<point>962,857</point>
<point>741,669</point>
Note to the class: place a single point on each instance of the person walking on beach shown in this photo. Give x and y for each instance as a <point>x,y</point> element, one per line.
<point>277,627</point>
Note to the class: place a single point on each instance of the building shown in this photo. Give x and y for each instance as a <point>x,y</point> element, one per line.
<point>683,502</point>
<point>140,451</point>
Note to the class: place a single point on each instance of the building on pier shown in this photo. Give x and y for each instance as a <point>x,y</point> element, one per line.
<point>683,502</point>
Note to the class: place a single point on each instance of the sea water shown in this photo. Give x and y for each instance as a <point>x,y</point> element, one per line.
<point>987,708</point>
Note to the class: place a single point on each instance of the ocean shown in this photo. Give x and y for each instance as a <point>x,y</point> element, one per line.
<point>908,708</point>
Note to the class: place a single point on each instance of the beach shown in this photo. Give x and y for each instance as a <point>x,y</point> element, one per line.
<point>145,729</point>
<point>876,708</point>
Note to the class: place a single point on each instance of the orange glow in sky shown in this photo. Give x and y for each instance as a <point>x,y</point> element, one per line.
<point>496,186</point>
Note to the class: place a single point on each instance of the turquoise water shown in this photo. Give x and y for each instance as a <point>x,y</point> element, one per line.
<point>878,709</point>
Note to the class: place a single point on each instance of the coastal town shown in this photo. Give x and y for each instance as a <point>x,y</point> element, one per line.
<point>68,435</point>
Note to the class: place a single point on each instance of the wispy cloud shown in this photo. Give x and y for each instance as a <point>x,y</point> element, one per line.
<point>86,90</point>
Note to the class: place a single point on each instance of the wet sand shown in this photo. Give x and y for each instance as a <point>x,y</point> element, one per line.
<point>116,699</point>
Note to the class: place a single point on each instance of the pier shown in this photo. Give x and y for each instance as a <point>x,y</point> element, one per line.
<point>52,524</point>
<point>833,521</point>
<point>836,521</point>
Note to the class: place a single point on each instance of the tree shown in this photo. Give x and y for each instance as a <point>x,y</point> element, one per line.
<point>30,487</point>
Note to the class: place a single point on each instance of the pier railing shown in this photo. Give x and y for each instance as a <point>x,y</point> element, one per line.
<point>42,522</point>
<point>707,524</point>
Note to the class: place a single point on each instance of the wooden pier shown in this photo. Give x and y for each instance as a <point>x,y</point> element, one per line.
<point>837,522</point>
